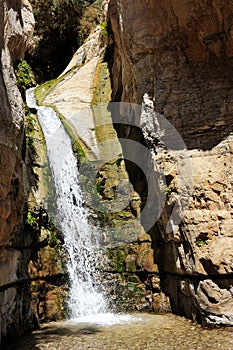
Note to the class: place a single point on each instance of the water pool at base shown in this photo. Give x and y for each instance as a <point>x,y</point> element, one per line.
<point>104,319</point>
<point>127,332</point>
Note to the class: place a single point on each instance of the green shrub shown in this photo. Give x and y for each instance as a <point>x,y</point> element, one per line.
<point>90,19</point>
<point>201,242</point>
<point>24,76</point>
<point>166,190</point>
<point>58,34</point>
<point>30,219</point>
<point>104,27</point>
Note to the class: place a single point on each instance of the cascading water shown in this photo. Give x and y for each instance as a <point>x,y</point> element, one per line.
<point>81,239</point>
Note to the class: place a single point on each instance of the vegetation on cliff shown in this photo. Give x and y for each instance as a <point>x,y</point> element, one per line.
<point>58,35</point>
<point>24,76</point>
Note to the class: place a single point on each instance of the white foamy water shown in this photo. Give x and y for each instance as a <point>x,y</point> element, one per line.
<point>104,319</point>
<point>81,240</point>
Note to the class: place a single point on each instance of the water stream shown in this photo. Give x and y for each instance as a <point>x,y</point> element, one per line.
<point>81,240</point>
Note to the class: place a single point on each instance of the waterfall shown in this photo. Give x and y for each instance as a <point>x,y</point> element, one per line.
<point>81,239</point>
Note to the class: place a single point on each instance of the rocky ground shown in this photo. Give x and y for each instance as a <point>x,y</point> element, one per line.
<point>165,332</point>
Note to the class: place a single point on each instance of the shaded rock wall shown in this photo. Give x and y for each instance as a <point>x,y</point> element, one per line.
<point>129,273</point>
<point>182,52</point>
<point>176,58</point>
<point>16,24</point>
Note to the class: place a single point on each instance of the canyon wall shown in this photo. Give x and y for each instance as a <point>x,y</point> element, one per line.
<point>173,59</point>
<point>171,93</point>
<point>170,67</point>
<point>16,27</point>
<point>82,95</point>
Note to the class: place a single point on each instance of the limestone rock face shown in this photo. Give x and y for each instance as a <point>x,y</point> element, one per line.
<point>176,43</point>
<point>16,24</point>
<point>175,58</point>
<point>82,96</point>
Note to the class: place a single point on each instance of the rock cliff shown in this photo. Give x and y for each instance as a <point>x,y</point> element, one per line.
<point>175,58</point>
<point>81,96</point>
<point>170,67</point>
<point>171,88</point>
<point>16,27</point>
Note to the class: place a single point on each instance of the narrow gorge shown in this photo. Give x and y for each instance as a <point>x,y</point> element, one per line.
<point>147,102</point>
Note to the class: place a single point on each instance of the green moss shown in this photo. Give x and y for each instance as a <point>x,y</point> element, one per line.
<point>43,90</point>
<point>102,95</point>
<point>30,123</point>
<point>112,179</point>
<point>117,258</point>
<point>134,291</point>
<point>128,292</point>
<point>78,149</point>
<point>77,145</point>
<point>40,93</point>
<point>43,173</point>
<point>131,266</point>
<point>52,238</point>
<point>49,189</point>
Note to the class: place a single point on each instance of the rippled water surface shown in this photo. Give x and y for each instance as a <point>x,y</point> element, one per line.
<point>141,332</point>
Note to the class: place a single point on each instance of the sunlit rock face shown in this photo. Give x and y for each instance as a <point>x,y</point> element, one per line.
<point>176,58</point>
<point>16,26</point>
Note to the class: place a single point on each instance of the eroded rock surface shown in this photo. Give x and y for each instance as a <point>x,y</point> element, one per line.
<point>16,25</point>
<point>175,59</point>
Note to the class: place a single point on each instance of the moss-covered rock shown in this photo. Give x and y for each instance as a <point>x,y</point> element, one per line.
<point>114,205</point>
<point>130,256</point>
